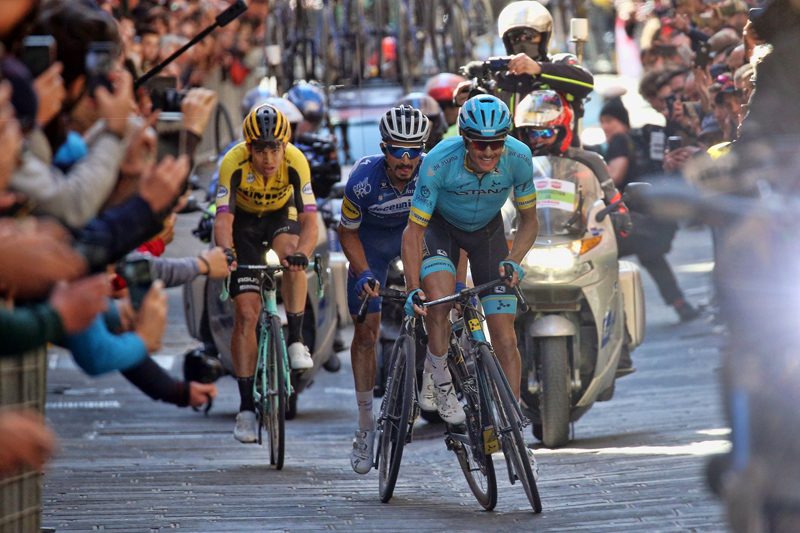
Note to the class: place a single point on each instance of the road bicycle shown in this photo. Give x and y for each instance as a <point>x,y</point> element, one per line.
<point>493,421</point>
<point>272,386</point>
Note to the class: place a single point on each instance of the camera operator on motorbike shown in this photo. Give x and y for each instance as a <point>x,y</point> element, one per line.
<point>463,183</point>
<point>265,195</point>
<point>377,201</point>
<point>526,29</point>
<point>545,123</point>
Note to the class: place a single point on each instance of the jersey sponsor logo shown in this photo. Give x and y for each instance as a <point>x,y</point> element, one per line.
<point>418,217</point>
<point>441,252</point>
<point>442,163</point>
<point>349,210</point>
<point>223,191</point>
<point>362,188</point>
<point>397,206</point>
<point>251,178</point>
<point>384,185</point>
<point>247,280</point>
<point>523,157</point>
<point>500,289</point>
<point>475,192</point>
<point>307,188</point>
<point>424,192</point>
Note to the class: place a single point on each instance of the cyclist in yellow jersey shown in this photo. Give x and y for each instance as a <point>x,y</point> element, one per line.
<point>265,196</point>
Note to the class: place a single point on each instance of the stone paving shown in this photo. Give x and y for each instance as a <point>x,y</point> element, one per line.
<point>129,464</point>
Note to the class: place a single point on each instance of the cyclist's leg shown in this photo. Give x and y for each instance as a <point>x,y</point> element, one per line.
<point>285,235</point>
<point>440,256</point>
<point>486,248</point>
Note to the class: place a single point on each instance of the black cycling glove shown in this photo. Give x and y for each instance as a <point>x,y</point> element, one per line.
<point>298,260</point>
<point>230,256</point>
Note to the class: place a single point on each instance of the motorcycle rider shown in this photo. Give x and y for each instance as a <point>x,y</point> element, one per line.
<point>545,122</point>
<point>375,209</point>
<point>431,109</point>
<point>526,29</point>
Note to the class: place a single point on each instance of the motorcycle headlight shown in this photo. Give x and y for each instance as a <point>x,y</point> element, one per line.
<point>559,264</point>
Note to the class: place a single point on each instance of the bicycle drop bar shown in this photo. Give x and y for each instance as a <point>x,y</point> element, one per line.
<point>466,294</point>
<point>383,292</point>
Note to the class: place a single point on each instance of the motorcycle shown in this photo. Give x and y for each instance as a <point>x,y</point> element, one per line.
<point>586,308</point>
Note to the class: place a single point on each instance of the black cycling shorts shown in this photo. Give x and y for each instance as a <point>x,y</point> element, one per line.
<point>252,237</point>
<point>485,247</point>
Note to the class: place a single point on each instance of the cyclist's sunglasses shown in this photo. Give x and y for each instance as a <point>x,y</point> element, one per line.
<point>524,35</point>
<point>536,135</point>
<point>400,151</point>
<point>483,145</point>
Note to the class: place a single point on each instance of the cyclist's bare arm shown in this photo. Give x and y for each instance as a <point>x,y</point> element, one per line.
<point>309,233</point>
<point>526,235</point>
<point>354,251</point>
<point>412,254</point>
<point>223,230</point>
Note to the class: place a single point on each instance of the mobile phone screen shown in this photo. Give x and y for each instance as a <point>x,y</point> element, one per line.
<point>139,279</point>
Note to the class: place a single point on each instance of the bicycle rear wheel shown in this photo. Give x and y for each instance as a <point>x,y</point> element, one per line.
<point>277,394</point>
<point>393,422</point>
<point>508,425</point>
<point>474,457</point>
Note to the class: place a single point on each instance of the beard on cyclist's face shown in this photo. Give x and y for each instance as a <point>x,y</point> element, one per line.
<point>401,168</point>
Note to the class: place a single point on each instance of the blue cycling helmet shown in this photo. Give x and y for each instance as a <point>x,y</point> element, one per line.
<point>484,117</point>
<point>309,99</point>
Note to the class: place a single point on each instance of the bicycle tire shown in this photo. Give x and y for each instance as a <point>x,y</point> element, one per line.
<point>511,439</point>
<point>394,417</point>
<point>260,381</point>
<point>478,468</point>
<point>277,398</point>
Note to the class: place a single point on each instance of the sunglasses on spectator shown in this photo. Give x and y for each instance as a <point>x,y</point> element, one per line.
<point>520,36</point>
<point>481,146</point>
<point>536,135</point>
<point>399,151</point>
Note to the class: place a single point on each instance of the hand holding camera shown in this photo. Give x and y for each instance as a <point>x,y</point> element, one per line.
<point>151,321</point>
<point>78,303</point>
<point>50,91</point>
<point>115,106</point>
<point>161,185</point>
<point>523,64</point>
<point>197,107</point>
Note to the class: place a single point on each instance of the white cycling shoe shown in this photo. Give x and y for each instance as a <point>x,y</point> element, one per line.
<point>534,465</point>
<point>299,356</point>
<point>449,407</point>
<point>427,396</point>
<point>245,430</point>
<point>362,457</point>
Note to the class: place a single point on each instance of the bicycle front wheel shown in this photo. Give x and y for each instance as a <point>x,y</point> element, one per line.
<point>277,394</point>
<point>508,424</point>
<point>393,422</point>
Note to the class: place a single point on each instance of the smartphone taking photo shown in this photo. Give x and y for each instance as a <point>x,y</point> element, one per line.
<point>38,53</point>
<point>99,63</point>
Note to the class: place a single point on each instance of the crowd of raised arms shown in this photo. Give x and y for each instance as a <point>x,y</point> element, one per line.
<point>83,193</point>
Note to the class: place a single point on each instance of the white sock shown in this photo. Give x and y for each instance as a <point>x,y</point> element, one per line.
<point>366,419</point>
<point>441,374</point>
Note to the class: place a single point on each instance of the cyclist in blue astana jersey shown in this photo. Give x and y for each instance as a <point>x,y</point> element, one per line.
<point>462,185</point>
<point>375,209</point>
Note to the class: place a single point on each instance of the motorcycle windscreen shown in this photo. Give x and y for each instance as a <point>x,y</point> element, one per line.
<point>565,192</point>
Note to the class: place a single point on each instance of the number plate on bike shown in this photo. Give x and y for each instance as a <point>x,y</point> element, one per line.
<point>490,443</point>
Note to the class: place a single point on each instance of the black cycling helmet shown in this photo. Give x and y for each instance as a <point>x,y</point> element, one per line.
<point>405,124</point>
<point>266,123</point>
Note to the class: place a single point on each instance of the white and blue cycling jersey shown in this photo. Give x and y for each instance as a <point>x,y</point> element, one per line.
<point>379,211</point>
<point>467,202</point>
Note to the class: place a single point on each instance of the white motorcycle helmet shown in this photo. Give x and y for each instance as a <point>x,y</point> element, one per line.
<point>526,14</point>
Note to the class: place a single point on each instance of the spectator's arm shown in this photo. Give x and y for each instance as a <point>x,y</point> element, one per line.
<point>28,327</point>
<point>98,351</point>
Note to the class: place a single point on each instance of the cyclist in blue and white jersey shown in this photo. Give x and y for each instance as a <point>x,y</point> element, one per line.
<point>375,208</point>
<point>462,185</point>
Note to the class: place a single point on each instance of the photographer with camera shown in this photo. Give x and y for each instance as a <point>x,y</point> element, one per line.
<point>526,28</point>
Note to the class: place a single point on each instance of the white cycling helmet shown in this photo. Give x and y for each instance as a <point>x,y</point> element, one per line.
<point>526,14</point>
<point>405,124</point>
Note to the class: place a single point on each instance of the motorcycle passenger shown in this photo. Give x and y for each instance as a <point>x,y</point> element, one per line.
<point>375,210</point>
<point>430,108</point>
<point>265,195</point>
<point>545,123</point>
<point>441,88</point>
<point>462,185</point>
<point>526,29</point>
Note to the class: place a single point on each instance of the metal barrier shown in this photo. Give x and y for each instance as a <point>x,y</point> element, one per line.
<point>23,382</point>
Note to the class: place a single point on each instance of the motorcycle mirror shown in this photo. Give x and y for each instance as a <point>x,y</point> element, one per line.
<point>635,195</point>
<point>337,191</point>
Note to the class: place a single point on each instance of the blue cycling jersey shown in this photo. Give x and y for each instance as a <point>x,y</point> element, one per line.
<point>466,201</point>
<point>371,203</point>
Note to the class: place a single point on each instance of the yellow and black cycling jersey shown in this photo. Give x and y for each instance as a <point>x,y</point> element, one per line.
<point>241,187</point>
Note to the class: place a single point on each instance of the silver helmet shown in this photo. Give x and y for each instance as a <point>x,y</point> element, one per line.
<point>526,14</point>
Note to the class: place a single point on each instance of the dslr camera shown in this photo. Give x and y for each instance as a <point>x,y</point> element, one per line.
<point>322,154</point>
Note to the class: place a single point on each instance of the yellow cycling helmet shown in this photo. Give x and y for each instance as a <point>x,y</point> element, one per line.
<point>266,123</point>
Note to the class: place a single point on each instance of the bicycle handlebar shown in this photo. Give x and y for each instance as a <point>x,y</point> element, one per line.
<point>383,292</point>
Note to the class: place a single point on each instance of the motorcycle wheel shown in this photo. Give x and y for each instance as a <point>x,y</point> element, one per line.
<point>536,429</point>
<point>554,402</point>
